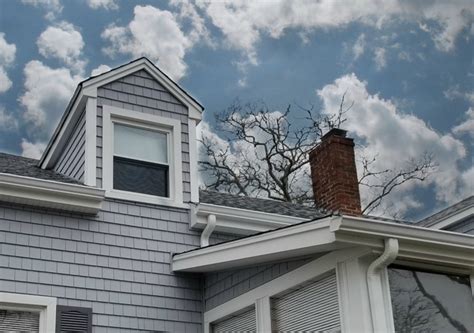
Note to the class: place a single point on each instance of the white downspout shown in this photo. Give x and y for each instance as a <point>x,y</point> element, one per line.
<point>378,308</point>
<point>206,233</point>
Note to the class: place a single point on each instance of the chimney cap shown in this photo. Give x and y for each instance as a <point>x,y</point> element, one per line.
<point>334,132</point>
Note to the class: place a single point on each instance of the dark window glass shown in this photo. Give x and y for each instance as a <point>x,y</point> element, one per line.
<point>430,302</point>
<point>139,176</point>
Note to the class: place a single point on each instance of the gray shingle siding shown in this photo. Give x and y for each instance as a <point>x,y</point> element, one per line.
<point>140,92</point>
<point>71,162</point>
<point>118,263</point>
<point>465,227</point>
<point>223,286</point>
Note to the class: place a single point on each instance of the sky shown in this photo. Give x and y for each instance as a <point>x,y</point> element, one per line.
<point>406,65</point>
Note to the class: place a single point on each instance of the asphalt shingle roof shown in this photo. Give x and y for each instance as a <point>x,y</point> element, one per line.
<point>261,205</point>
<point>430,220</point>
<point>28,167</point>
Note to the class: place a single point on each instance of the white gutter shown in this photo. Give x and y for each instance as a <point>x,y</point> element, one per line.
<point>211,224</point>
<point>50,194</point>
<point>381,320</point>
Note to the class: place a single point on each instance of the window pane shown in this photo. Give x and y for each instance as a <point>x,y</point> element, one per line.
<point>19,321</point>
<point>430,302</point>
<point>244,321</point>
<point>141,177</point>
<point>140,144</point>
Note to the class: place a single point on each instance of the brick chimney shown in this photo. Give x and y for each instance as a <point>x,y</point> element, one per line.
<point>334,173</point>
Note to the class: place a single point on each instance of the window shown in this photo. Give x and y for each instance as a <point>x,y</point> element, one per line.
<point>26,313</point>
<point>430,302</point>
<point>140,160</point>
<point>242,321</point>
<point>141,157</point>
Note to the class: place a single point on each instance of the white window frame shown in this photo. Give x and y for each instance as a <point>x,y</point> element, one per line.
<point>260,296</point>
<point>171,126</point>
<point>46,306</point>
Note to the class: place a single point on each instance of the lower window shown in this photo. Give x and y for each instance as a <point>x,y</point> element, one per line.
<point>430,302</point>
<point>19,321</point>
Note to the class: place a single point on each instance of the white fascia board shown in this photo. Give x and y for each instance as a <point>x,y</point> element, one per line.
<point>64,129</point>
<point>296,241</point>
<point>240,221</point>
<point>90,86</point>
<point>416,243</point>
<point>331,233</point>
<point>453,219</point>
<point>50,194</point>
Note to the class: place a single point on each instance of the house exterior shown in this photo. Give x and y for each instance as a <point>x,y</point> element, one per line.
<point>108,232</point>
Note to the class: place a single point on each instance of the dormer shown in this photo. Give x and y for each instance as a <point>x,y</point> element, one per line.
<point>132,132</point>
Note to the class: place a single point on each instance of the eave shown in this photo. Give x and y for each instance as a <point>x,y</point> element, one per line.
<point>50,194</point>
<point>239,221</point>
<point>327,234</point>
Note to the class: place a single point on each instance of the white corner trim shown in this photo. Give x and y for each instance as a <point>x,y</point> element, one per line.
<point>112,114</point>
<point>90,154</point>
<point>193,160</point>
<point>263,314</point>
<point>47,307</point>
<point>297,276</point>
<point>379,300</point>
<point>50,194</point>
<point>240,221</point>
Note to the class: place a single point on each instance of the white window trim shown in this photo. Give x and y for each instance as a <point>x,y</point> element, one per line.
<point>46,306</point>
<point>172,126</point>
<point>260,296</point>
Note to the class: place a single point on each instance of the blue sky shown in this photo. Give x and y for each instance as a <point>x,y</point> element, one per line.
<point>407,66</point>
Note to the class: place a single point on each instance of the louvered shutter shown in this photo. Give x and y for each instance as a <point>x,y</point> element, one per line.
<point>19,321</point>
<point>311,307</point>
<point>73,319</point>
<point>243,322</point>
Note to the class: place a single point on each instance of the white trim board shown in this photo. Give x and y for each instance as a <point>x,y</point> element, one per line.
<point>239,221</point>
<point>328,234</point>
<point>45,305</point>
<point>50,194</point>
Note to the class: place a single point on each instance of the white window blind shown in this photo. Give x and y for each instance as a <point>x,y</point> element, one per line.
<point>242,322</point>
<point>19,321</point>
<point>312,307</point>
<point>141,144</point>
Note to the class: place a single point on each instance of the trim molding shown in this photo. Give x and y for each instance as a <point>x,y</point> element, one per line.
<point>90,154</point>
<point>50,194</point>
<point>45,305</point>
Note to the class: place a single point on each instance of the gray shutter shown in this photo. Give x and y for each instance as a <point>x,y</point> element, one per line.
<point>312,307</point>
<point>242,322</point>
<point>19,321</point>
<point>73,319</point>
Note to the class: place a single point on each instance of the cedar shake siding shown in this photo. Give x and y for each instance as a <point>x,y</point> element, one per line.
<point>71,161</point>
<point>140,92</point>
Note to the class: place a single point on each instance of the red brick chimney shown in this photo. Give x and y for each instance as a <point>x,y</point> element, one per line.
<point>334,173</point>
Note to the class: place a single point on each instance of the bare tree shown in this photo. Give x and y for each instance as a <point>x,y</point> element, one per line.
<point>265,154</point>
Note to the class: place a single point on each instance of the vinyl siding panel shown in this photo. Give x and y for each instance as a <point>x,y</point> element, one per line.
<point>71,162</point>
<point>223,286</point>
<point>117,263</point>
<point>140,92</point>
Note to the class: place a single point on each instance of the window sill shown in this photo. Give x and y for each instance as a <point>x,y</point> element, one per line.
<point>145,198</point>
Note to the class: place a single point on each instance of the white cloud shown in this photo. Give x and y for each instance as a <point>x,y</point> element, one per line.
<point>32,150</point>
<point>7,121</point>
<point>64,42</point>
<point>394,137</point>
<point>359,46</point>
<point>7,57</point>
<point>47,92</point>
<point>455,92</point>
<point>467,126</point>
<point>53,7</point>
<point>244,22</point>
<point>153,33</point>
<point>380,58</point>
<point>100,69</point>
<point>106,4</point>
